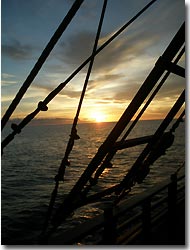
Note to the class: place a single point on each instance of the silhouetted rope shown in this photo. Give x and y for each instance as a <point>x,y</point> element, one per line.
<point>74,136</point>
<point>41,61</point>
<point>56,91</point>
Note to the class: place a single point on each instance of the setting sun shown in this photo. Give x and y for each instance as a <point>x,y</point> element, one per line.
<point>98,116</point>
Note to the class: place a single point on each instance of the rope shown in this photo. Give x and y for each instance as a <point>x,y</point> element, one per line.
<point>73,136</point>
<point>41,61</point>
<point>56,91</point>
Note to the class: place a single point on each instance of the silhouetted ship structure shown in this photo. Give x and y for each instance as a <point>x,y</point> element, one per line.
<point>116,226</point>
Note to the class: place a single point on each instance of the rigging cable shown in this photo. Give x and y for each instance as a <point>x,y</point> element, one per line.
<point>42,105</point>
<point>73,136</point>
<point>71,13</point>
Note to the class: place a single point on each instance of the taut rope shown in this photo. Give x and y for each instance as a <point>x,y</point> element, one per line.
<point>74,136</point>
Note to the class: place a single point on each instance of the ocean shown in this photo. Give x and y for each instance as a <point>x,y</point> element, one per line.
<point>31,161</point>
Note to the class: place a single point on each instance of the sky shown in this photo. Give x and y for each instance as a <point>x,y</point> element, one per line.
<point>118,71</point>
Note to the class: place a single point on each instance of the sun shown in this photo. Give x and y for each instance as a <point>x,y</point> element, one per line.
<point>98,116</point>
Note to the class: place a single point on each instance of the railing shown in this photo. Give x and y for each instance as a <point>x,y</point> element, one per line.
<point>133,220</point>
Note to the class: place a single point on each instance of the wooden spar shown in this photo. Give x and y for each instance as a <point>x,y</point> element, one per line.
<point>132,142</point>
<point>139,98</point>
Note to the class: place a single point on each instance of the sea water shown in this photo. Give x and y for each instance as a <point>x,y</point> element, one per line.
<point>31,161</point>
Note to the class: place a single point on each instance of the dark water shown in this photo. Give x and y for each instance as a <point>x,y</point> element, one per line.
<point>31,161</point>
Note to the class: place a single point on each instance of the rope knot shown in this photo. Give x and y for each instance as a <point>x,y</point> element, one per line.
<point>42,106</point>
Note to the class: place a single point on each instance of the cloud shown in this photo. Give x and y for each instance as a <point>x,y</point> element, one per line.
<point>140,38</point>
<point>126,92</point>
<point>78,47</point>
<point>103,81</point>
<point>172,88</point>
<point>6,83</point>
<point>7,80</point>
<point>5,75</point>
<point>17,51</point>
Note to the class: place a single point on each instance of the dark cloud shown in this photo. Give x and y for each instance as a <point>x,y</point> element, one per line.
<point>17,51</point>
<point>139,39</point>
<point>126,92</point>
<point>79,47</point>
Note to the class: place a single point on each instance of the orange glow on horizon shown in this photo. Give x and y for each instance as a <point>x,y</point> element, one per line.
<point>98,116</point>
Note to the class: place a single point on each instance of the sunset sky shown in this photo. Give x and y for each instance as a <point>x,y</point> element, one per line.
<point>118,71</point>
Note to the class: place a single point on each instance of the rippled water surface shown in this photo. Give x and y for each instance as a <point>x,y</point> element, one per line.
<point>31,161</point>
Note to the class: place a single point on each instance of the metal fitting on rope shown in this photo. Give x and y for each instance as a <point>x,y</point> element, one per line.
<point>74,134</point>
<point>15,128</point>
<point>42,106</point>
<point>76,137</point>
<point>67,162</point>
